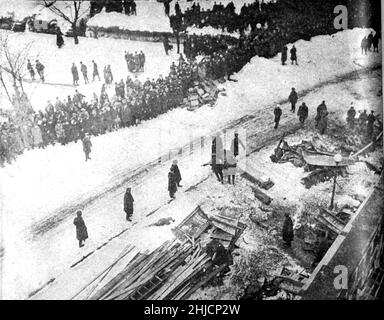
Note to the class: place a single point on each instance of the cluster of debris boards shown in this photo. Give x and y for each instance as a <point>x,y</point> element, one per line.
<point>317,157</point>
<point>200,251</point>
<point>204,92</point>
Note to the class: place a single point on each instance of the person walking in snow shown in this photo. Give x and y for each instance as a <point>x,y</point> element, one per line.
<point>235,145</point>
<point>166,45</point>
<point>30,69</point>
<point>75,74</point>
<point>128,204</point>
<point>294,55</point>
<point>277,112</point>
<point>59,39</point>
<point>364,45</point>
<point>284,55</point>
<point>302,113</point>
<point>81,229</point>
<point>175,169</point>
<point>370,124</point>
<point>287,231</point>
<point>172,184</point>
<point>323,122</point>
<point>40,70</point>
<point>87,145</point>
<point>95,71</point>
<point>84,71</point>
<point>293,99</point>
<point>320,109</point>
<point>351,114</point>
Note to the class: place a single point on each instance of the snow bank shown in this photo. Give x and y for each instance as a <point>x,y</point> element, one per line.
<point>210,31</point>
<point>150,17</point>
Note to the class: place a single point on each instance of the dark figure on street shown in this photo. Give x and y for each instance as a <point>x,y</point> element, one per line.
<point>87,145</point>
<point>235,145</point>
<point>288,230</point>
<point>30,69</point>
<point>133,8</point>
<point>167,45</point>
<point>303,113</point>
<point>370,41</point>
<point>84,71</point>
<point>277,112</point>
<point>128,204</point>
<point>294,55</point>
<point>40,70</point>
<point>81,229</point>
<point>363,117</point>
<point>320,109</point>
<point>172,185</point>
<point>59,39</point>
<point>175,169</point>
<point>284,55</point>
<point>293,99</point>
<point>95,71</point>
<point>370,124</point>
<point>75,74</point>
<point>351,114</point>
<point>217,158</point>
<point>323,122</point>
<point>375,42</point>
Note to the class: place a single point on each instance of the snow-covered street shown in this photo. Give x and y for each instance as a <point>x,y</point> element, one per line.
<point>39,229</point>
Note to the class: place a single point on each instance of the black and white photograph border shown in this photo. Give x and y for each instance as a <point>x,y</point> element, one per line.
<point>191,150</point>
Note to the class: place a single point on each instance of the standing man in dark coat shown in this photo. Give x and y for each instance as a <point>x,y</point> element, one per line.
<point>84,71</point>
<point>320,110</point>
<point>294,54</point>
<point>351,114</point>
<point>81,229</point>
<point>30,69</point>
<point>370,41</point>
<point>288,230</point>
<point>293,99</point>
<point>40,70</point>
<point>371,120</point>
<point>172,186</point>
<point>284,55</point>
<point>128,204</point>
<point>277,112</point>
<point>95,71</point>
<point>303,113</point>
<point>375,42</point>
<point>87,145</point>
<point>235,145</point>
<point>175,169</point>
<point>59,39</point>
<point>75,74</point>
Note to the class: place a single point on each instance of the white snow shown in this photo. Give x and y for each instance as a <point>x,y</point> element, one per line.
<point>40,182</point>
<point>210,31</point>
<point>58,63</point>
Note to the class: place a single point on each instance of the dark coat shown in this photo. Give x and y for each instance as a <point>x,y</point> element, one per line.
<point>87,144</point>
<point>81,229</point>
<point>75,73</point>
<point>288,230</point>
<point>128,202</point>
<point>59,40</point>
<point>176,171</point>
<point>277,112</point>
<point>172,186</point>
<point>293,54</point>
<point>303,112</point>
<point>293,97</point>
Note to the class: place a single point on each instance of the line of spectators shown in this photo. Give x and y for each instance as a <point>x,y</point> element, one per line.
<point>69,120</point>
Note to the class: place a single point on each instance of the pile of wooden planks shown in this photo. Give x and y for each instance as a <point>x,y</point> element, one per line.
<point>226,230</point>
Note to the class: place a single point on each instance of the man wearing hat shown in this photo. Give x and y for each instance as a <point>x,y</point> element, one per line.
<point>81,229</point>
<point>128,204</point>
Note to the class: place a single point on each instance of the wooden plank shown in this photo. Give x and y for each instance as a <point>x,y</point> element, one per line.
<point>226,228</point>
<point>260,195</point>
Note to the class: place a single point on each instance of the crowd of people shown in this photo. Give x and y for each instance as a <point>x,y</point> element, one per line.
<point>71,119</point>
<point>135,62</point>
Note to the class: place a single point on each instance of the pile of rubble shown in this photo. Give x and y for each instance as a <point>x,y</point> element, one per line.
<point>200,251</point>
<point>204,92</point>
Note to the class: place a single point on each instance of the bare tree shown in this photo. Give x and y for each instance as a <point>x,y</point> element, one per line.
<point>13,69</point>
<point>70,11</point>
